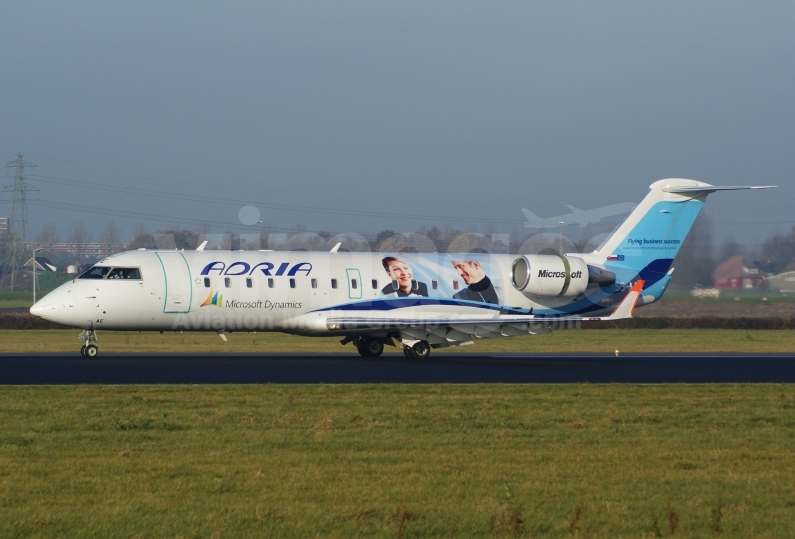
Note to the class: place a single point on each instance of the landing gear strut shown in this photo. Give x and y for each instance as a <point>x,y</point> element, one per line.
<point>90,348</point>
<point>369,347</point>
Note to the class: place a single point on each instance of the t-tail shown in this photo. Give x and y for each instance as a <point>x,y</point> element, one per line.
<point>645,244</point>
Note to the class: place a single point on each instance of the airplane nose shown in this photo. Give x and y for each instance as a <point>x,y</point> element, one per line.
<point>57,306</point>
<point>43,307</point>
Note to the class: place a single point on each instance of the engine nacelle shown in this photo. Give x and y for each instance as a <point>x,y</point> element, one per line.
<point>549,275</point>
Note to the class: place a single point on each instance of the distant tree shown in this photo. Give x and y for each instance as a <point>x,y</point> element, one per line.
<point>79,236</point>
<point>9,241</point>
<point>111,235</point>
<point>48,235</point>
<point>143,240</point>
<point>184,239</point>
<point>139,230</point>
<point>778,252</point>
<point>381,236</point>
<point>694,263</point>
<point>731,248</point>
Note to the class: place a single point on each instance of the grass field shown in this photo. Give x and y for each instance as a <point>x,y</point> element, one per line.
<point>398,461</point>
<point>630,340</point>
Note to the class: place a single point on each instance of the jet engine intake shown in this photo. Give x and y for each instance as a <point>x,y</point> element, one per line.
<point>549,275</point>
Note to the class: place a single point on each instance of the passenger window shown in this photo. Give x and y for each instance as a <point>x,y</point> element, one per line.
<point>206,282</point>
<point>227,282</point>
<point>435,284</point>
<point>334,283</point>
<point>455,284</point>
<point>125,273</point>
<point>375,284</point>
<point>95,272</point>
<point>270,282</point>
<point>292,282</point>
<point>414,284</point>
<point>354,284</point>
<point>249,284</point>
<point>314,283</point>
<point>395,284</point>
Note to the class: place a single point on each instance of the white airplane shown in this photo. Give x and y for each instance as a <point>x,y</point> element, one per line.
<point>414,301</point>
<point>581,217</point>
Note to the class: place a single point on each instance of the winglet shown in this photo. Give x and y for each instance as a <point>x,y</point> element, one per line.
<point>334,249</point>
<point>627,305</point>
<point>202,246</point>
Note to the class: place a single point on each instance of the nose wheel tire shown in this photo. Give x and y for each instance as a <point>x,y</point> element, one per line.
<point>371,347</point>
<point>89,338</point>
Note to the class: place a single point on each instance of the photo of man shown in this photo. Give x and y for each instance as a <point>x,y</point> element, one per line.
<point>400,273</point>
<point>479,286</point>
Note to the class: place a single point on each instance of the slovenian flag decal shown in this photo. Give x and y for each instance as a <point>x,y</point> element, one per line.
<point>615,258</point>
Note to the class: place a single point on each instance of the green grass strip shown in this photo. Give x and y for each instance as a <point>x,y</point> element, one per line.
<point>398,461</point>
<point>606,341</point>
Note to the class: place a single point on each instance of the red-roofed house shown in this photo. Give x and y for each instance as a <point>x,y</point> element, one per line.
<point>737,272</point>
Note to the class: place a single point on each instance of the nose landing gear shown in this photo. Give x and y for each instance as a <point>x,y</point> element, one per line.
<point>91,347</point>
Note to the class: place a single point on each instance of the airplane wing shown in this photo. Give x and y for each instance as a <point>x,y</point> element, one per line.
<point>450,331</point>
<point>532,216</point>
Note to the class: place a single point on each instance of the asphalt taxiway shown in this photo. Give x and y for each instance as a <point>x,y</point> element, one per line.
<point>470,368</point>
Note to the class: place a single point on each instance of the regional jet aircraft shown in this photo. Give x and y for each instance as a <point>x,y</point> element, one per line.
<point>415,301</point>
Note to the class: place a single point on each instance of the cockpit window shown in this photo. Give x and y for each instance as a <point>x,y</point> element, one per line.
<point>95,272</point>
<point>125,273</point>
<point>104,272</point>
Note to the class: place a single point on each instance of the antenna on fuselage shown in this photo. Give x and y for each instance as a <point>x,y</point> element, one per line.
<point>336,247</point>
<point>202,246</point>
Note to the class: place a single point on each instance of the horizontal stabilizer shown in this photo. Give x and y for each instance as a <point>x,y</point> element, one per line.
<point>713,188</point>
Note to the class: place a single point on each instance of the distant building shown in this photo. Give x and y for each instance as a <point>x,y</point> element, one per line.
<point>783,282</point>
<point>3,224</point>
<point>737,272</point>
<point>42,264</point>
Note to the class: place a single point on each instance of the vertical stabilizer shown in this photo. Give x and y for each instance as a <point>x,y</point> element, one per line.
<point>652,234</point>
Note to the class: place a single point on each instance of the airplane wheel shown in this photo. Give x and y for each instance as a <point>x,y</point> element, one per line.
<point>408,353</point>
<point>83,351</point>
<point>91,351</point>
<point>371,348</point>
<point>374,347</point>
<point>421,350</point>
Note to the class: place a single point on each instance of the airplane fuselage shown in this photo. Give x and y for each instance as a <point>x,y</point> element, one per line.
<point>297,292</point>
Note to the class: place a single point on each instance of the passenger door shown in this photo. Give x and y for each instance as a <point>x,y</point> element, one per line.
<point>354,283</point>
<point>179,292</point>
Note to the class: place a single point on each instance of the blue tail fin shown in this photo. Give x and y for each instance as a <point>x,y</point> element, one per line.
<point>652,234</point>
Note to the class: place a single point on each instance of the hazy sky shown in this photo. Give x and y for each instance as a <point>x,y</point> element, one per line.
<point>359,116</point>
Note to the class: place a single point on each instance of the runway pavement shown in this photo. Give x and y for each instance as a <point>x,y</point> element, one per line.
<point>29,369</point>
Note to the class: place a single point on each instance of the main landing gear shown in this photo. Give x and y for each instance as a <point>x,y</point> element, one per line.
<point>369,347</point>
<point>419,350</point>
<point>90,348</point>
<point>374,347</point>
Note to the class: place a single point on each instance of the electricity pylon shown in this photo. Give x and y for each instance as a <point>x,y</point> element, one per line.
<point>19,215</point>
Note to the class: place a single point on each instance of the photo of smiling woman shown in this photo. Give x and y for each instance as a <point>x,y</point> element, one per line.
<point>403,283</point>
